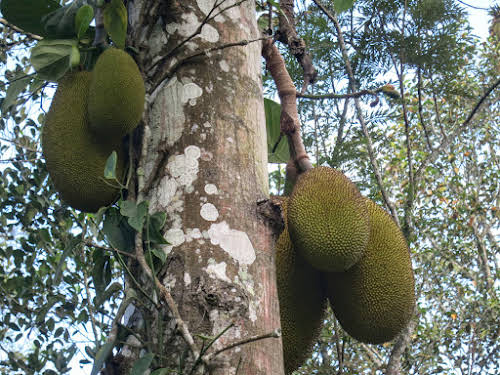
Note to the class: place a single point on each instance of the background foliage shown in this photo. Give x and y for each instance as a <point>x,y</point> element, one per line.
<point>61,282</point>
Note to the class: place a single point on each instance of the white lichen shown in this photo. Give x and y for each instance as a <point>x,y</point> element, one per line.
<point>209,33</point>
<point>224,66</point>
<point>209,212</point>
<point>191,91</point>
<point>234,242</point>
<point>211,189</point>
<point>175,237</point>
<point>217,270</point>
<point>187,279</point>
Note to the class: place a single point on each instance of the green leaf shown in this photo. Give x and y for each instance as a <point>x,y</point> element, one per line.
<point>117,231</point>
<point>101,357</point>
<point>156,223</point>
<point>342,5</point>
<point>70,245</point>
<point>115,22</point>
<point>161,371</point>
<point>106,295</point>
<point>83,19</point>
<point>60,24</point>
<point>27,14</point>
<point>160,254</point>
<point>52,58</point>
<point>15,88</point>
<point>273,114</point>
<point>101,262</point>
<point>142,364</point>
<point>136,213</point>
<point>110,168</point>
<point>128,208</point>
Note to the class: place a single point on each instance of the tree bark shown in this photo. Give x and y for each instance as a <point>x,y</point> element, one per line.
<point>203,161</point>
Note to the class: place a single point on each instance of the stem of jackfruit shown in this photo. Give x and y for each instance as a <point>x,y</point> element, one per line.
<point>289,121</point>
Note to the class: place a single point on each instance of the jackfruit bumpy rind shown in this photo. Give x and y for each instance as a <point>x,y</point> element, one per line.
<point>116,92</point>
<point>76,158</point>
<point>328,220</point>
<point>374,300</point>
<point>302,302</point>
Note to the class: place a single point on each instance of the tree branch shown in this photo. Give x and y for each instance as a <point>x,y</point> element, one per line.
<point>403,340</point>
<point>167,297</point>
<point>289,120</point>
<point>169,72</point>
<point>273,334</point>
<point>359,112</point>
<point>438,150</point>
<point>4,22</point>
<point>287,34</point>
<point>340,96</point>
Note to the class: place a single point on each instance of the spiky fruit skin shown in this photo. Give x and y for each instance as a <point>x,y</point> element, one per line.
<point>74,156</point>
<point>116,100</point>
<point>328,220</point>
<point>302,302</point>
<point>374,300</point>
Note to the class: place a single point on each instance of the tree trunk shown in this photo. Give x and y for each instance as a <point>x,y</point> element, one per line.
<point>203,161</point>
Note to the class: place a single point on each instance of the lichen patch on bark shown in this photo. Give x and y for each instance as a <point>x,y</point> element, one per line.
<point>234,242</point>
<point>209,212</point>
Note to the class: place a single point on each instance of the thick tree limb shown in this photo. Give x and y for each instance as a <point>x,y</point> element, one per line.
<point>290,124</point>
<point>288,35</point>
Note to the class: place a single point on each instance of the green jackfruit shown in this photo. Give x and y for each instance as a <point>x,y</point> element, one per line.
<point>328,219</point>
<point>116,92</point>
<point>374,300</point>
<point>75,157</point>
<point>302,302</point>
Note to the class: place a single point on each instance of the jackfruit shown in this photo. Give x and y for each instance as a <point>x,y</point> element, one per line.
<point>374,300</point>
<point>328,220</point>
<point>302,302</point>
<point>74,156</point>
<point>116,92</point>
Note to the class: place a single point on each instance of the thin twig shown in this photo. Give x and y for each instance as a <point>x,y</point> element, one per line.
<point>160,75</point>
<point>108,249</point>
<point>86,284</point>
<point>438,150</point>
<point>4,22</point>
<point>167,297</point>
<point>340,96</point>
<point>420,108</point>
<point>205,52</point>
<point>407,227</point>
<point>273,334</point>
<point>359,112</point>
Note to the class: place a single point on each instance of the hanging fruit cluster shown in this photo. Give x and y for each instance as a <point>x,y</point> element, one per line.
<point>90,114</point>
<point>340,247</point>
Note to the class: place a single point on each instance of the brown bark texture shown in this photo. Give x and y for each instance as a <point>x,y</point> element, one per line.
<point>201,158</point>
